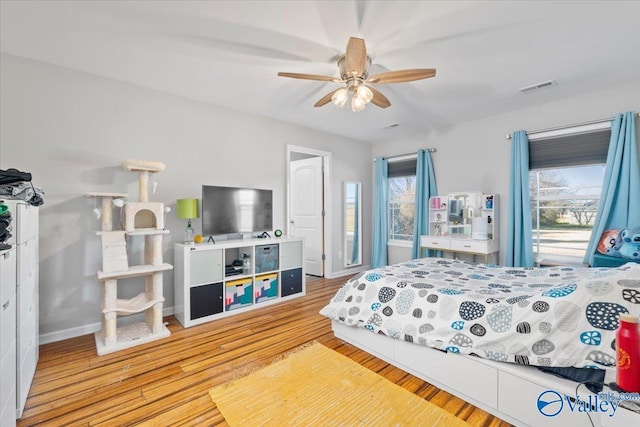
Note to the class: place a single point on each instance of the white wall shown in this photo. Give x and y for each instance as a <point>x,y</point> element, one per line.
<point>475,156</point>
<point>72,130</point>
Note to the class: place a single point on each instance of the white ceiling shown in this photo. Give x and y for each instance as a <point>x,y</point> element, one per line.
<point>228,53</point>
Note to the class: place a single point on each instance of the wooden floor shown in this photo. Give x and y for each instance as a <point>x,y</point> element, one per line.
<point>165,383</point>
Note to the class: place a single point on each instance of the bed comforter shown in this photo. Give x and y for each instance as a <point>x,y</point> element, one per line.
<point>560,316</point>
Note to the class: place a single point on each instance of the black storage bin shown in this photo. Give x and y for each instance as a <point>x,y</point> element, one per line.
<point>206,300</point>
<point>267,258</point>
<point>291,282</point>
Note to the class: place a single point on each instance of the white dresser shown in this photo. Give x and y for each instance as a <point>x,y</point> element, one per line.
<point>22,285</point>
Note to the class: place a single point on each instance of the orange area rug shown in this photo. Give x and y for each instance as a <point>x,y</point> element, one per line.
<point>316,386</point>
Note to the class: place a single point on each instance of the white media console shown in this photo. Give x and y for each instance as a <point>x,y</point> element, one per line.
<point>208,286</point>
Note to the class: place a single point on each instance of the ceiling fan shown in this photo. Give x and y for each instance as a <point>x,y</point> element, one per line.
<point>354,66</point>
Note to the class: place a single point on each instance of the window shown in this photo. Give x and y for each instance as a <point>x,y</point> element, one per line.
<point>564,202</point>
<point>401,199</point>
<point>565,181</point>
<point>402,207</point>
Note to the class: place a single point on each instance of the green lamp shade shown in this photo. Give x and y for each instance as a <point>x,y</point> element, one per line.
<point>187,208</point>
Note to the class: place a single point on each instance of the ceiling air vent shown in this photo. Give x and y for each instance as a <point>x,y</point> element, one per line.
<point>537,86</point>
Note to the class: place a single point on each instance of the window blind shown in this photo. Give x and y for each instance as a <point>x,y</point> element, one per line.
<point>569,150</point>
<point>402,168</point>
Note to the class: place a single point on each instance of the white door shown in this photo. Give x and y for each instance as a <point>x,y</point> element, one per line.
<point>306,210</point>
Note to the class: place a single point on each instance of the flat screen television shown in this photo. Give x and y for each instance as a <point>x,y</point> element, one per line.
<point>231,210</point>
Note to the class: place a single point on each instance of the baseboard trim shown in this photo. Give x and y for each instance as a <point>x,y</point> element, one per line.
<point>348,272</point>
<point>90,328</point>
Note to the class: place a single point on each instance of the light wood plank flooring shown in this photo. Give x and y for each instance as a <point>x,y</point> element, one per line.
<point>165,383</point>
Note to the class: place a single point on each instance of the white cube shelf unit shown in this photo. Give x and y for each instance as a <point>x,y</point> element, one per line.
<point>208,286</point>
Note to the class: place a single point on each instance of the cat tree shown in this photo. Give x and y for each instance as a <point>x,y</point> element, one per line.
<point>142,218</point>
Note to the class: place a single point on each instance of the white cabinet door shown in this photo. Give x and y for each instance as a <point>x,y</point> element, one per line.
<point>205,266</point>
<point>290,255</point>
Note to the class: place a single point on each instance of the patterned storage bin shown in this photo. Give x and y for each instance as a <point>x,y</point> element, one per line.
<point>267,258</point>
<point>266,287</point>
<point>238,293</point>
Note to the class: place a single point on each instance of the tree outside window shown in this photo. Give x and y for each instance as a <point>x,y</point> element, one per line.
<point>402,206</point>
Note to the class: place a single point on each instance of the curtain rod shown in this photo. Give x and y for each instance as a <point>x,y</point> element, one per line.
<point>431,150</point>
<point>508,136</point>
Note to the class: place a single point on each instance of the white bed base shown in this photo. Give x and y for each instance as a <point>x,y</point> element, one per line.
<point>506,390</point>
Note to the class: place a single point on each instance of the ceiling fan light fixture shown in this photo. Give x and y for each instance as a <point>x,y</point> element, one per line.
<point>340,97</point>
<point>364,93</point>
<point>354,67</point>
<point>357,103</point>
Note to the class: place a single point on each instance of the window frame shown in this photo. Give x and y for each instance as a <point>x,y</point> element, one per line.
<point>598,135</point>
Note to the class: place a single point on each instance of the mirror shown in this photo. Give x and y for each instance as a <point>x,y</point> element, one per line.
<point>352,206</point>
<point>461,209</point>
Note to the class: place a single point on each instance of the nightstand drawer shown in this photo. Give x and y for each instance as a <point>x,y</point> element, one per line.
<point>435,242</point>
<point>479,246</point>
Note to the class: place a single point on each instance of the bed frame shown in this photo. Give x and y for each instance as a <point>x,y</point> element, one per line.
<point>506,390</point>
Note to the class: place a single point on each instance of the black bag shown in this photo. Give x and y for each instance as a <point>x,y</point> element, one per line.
<point>5,227</point>
<point>12,175</point>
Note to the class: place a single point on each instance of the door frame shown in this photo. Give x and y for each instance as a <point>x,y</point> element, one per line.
<point>326,201</point>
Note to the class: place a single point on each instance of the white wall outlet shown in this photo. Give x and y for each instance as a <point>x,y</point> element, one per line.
<point>339,254</point>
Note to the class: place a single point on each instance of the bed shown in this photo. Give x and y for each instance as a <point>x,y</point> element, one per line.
<point>481,331</point>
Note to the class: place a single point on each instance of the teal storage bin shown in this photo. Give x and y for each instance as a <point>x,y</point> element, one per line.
<point>266,287</point>
<point>267,258</point>
<point>238,293</point>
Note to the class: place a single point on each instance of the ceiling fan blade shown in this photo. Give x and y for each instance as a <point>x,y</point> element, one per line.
<point>326,99</point>
<point>403,76</point>
<point>310,77</point>
<point>356,56</point>
<point>379,99</point>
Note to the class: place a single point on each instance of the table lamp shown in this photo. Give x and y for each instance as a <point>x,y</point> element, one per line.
<point>188,209</point>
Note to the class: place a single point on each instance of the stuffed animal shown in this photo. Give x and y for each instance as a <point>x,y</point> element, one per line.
<point>614,244</point>
<point>630,247</point>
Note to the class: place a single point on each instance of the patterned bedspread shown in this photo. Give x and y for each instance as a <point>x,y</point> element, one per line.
<point>561,316</point>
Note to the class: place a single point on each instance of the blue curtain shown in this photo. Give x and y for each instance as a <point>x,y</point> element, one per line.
<point>519,239</point>
<point>355,252</point>
<point>379,250</point>
<point>425,188</point>
<point>620,198</point>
